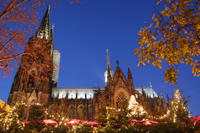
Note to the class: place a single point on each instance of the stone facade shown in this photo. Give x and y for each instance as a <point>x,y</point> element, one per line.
<point>81,103</point>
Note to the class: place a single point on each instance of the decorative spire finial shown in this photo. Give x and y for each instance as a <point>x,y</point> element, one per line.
<point>130,80</point>
<point>117,63</point>
<point>49,7</point>
<point>150,85</point>
<point>129,72</point>
<point>129,69</point>
<point>52,27</point>
<point>108,60</point>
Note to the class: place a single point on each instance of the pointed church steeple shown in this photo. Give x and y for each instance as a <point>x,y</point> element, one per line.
<point>108,68</point>
<point>108,60</point>
<point>44,29</point>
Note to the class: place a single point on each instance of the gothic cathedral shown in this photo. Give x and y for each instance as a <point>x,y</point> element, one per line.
<point>37,79</point>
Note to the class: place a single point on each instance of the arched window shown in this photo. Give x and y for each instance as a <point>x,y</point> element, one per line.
<point>121,100</point>
<point>80,112</point>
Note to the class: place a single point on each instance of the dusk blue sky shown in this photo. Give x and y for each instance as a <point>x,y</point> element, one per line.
<point>84,31</point>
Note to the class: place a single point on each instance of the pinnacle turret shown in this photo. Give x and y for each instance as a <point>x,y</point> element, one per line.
<point>129,74</point>
<point>130,80</point>
<point>51,36</point>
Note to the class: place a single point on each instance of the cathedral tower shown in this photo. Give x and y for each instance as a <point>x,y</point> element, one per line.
<point>33,80</point>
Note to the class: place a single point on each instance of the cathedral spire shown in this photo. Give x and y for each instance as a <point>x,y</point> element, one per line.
<point>108,60</point>
<point>44,29</point>
<point>108,68</point>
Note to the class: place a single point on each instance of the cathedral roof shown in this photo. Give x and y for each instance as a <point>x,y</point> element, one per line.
<point>88,93</point>
<point>148,91</point>
<point>72,92</point>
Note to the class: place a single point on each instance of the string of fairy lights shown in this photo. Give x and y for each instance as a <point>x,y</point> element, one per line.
<point>10,117</point>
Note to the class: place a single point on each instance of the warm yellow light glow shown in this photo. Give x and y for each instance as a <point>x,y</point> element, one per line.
<point>135,107</point>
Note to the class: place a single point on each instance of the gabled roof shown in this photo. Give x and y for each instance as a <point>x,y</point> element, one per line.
<point>119,75</point>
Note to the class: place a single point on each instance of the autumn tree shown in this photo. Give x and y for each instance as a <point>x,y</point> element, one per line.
<point>37,61</point>
<point>173,37</point>
<point>17,21</point>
